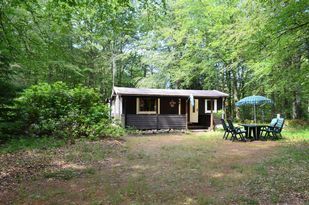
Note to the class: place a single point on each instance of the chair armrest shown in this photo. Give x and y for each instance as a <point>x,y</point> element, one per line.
<point>238,129</point>
<point>267,128</point>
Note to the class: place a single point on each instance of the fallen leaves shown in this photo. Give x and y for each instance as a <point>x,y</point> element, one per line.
<point>27,165</point>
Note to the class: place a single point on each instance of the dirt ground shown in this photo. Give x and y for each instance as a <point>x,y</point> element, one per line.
<point>194,168</point>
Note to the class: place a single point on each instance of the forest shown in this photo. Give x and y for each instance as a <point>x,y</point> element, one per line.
<point>60,60</point>
<point>240,47</point>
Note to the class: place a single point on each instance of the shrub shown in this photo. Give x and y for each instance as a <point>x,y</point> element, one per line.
<point>297,123</point>
<point>56,110</point>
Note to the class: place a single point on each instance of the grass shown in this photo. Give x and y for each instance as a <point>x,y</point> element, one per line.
<point>296,134</point>
<point>30,143</point>
<point>67,174</point>
<point>193,168</point>
<point>86,152</point>
<point>284,176</point>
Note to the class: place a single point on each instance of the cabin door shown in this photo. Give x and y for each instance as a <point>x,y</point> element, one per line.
<point>194,112</point>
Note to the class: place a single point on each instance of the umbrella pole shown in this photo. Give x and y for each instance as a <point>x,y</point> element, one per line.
<point>254,114</point>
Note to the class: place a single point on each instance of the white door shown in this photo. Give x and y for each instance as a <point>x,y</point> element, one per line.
<point>194,112</point>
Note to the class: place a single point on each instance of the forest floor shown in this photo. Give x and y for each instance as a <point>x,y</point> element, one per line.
<point>191,168</point>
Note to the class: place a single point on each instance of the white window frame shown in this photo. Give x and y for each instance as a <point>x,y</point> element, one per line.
<point>215,106</point>
<point>143,112</point>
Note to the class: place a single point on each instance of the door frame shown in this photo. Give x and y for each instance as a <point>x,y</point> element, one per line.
<point>194,111</point>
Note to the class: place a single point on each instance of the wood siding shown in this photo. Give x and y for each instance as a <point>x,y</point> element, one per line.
<point>172,121</point>
<point>149,122</point>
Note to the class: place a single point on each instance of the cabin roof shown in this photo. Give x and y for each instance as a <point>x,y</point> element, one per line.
<point>167,92</point>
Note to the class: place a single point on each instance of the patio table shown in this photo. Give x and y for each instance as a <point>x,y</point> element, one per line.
<point>253,128</point>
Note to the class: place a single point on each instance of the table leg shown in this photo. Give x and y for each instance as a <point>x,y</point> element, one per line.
<point>247,132</point>
<point>250,132</point>
<point>258,132</point>
<point>254,133</point>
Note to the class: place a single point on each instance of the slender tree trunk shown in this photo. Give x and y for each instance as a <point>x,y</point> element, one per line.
<point>297,112</point>
<point>236,94</point>
<point>120,75</point>
<point>229,84</point>
<point>286,105</point>
<point>297,109</point>
<point>113,64</point>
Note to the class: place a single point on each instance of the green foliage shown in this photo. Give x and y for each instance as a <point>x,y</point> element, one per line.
<point>253,47</point>
<point>59,111</point>
<point>297,124</point>
<point>105,129</point>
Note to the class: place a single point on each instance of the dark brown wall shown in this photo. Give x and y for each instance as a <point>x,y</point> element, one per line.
<point>165,107</point>
<point>219,104</point>
<point>129,105</point>
<point>183,106</point>
<point>204,120</point>
<point>202,105</point>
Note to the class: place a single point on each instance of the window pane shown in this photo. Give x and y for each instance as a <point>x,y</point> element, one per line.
<point>214,105</point>
<point>208,105</point>
<point>147,104</point>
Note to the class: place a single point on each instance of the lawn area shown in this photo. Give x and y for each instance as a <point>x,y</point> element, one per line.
<point>178,168</point>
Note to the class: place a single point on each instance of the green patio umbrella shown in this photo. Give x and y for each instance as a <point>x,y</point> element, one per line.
<point>253,100</point>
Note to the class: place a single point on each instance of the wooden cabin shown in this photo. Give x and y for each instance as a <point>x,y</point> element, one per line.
<point>148,109</point>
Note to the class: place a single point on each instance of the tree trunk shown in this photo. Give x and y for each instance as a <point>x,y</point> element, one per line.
<point>230,108</point>
<point>236,94</point>
<point>297,109</point>
<point>297,112</point>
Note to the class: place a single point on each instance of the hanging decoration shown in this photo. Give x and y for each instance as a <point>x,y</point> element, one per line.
<point>172,103</point>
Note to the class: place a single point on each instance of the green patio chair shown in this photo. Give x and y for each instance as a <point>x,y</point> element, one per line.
<point>236,131</point>
<point>227,129</point>
<point>276,131</point>
<point>268,128</point>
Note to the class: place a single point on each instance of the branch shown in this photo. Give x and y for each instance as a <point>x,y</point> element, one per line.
<point>291,29</point>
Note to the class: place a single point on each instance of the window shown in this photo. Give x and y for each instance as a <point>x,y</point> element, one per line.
<point>146,105</point>
<point>208,106</point>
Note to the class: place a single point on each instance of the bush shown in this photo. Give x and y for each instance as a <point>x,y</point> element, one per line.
<point>58,111</point>
<point>297,123</point>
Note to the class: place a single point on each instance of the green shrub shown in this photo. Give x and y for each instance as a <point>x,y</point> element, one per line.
<point>297,123</point>
<point>58,111</point>
<point>104,129</point>
<point>218,114</point>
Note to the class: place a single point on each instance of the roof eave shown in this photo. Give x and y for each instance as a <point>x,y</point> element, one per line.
<point>203,96</point>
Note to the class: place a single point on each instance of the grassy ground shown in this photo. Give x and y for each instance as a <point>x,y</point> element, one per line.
<point>194,168</point>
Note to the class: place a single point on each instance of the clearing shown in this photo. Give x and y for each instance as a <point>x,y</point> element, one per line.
<point>193,168</point>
